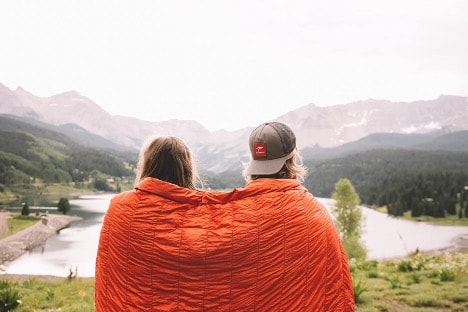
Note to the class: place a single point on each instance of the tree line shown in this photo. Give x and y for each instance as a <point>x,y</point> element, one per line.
<point>424,182</point>
<point>431,183</point>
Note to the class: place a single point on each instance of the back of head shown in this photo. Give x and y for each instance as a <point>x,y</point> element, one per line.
<point>168,159</point>
<point>274,153</point>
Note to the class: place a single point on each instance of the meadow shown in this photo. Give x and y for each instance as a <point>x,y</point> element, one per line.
<point>420,282</point>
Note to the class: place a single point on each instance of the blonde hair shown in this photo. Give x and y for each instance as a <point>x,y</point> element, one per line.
<point>293,168</point>
<point>168,159</point>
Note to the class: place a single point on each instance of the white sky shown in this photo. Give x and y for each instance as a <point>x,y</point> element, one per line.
<point>231,64</point>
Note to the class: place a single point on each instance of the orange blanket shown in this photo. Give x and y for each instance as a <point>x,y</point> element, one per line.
<point>270,246</point>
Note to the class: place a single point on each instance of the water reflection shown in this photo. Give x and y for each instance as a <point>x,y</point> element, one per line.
<point>389,237</point>
<point>75,247</point>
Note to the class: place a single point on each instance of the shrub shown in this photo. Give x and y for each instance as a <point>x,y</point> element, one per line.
<point>416,278</point>
<point>372,274</point>
<point>50,294</point>
<point>447,275</point>
<point>359,288</point>
<point>395,282</point>
<point>10,298</point>
<point>367,265</point>
<point>405,266</point>
<point>30,282</point>
<point>432,274</point>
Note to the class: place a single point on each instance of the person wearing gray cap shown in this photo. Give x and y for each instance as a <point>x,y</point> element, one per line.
<point>274,153</point>
<point>301,232</point>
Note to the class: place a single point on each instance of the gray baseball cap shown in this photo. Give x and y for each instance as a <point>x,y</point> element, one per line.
<point>271,144</point>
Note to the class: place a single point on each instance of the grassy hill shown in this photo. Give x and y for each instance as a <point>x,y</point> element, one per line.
<point>33,153</point>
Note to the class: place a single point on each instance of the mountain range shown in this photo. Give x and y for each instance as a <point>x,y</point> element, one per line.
<point>320,131</point>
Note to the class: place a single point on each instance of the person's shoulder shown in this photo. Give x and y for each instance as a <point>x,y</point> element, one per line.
<point>122,196</point>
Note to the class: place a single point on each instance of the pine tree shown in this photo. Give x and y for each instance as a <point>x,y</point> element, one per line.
<point>63,205</point>
<point>25,210</point>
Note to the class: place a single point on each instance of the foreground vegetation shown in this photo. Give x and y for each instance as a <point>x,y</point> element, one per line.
<point>48,294</point>
<point>17,222</point>
<point>421,282</point>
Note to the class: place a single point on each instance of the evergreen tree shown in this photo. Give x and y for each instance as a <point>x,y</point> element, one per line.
<point>466,209</point>
<point>417,207</point>
<point>63,205</point>
<point>348,218</point>
<point>25,210</point>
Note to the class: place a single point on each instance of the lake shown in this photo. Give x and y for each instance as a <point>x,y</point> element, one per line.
<point>76,246</point>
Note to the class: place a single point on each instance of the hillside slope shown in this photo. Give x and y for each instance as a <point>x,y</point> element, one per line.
<point>30,151</point>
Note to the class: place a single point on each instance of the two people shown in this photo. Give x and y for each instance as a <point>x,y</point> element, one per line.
<point>268,246</point>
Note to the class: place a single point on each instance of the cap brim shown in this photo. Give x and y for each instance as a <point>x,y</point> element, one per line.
<point>266,167</point>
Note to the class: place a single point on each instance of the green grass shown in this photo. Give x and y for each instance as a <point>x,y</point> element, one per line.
<point>422,282</point>
<point>417,283</point>
<point>17,222</point>
<point>448,220</point>
<point>65,295</point>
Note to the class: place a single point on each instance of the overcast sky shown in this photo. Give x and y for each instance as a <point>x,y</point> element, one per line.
<point>231,64</point>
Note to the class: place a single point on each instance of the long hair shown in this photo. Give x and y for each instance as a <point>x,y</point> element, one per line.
<point>168,159</point>
<point>293,168</point>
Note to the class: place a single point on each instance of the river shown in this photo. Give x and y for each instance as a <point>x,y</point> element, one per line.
<point>75,247</point>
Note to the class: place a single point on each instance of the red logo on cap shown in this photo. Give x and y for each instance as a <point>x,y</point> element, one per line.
<point>260,150</point>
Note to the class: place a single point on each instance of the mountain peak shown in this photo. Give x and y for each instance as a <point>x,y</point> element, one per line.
<point>69,94</point>
<point>4,88</point>
<point>314,125</point>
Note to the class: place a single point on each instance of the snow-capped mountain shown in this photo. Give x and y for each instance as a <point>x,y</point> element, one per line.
<point>222,150</point>
<point>336,125</point>
<point>73,108</point>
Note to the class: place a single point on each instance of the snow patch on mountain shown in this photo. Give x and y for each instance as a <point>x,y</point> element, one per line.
<point>410,129</point>
<point>433,125</point>
<point>220,150</point>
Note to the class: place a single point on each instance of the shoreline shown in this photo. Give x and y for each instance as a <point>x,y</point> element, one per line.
<point>14,246</point>
<point>460,246</point>
<point>461,243</point>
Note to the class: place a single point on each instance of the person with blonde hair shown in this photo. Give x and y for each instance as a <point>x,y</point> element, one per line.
<point>302,256</point>
<point>168,159</point>
<point>268,246</point>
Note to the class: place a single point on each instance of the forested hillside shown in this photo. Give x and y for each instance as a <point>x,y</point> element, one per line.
<point>31,152</point>
<point>424,182</point>
<point>431,141</point>
<point>427,175</point>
